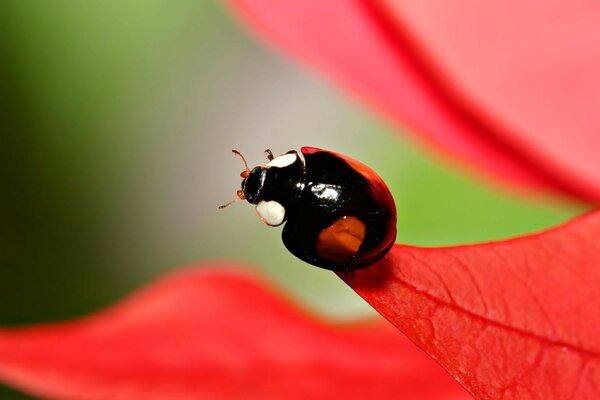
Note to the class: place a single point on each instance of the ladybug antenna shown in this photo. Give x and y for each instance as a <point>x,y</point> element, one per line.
<point>240,196</point>
<point>246,170</point>
<point>240,193</point>
<point>222,206</point>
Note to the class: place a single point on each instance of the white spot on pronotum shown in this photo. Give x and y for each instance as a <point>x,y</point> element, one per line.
<point>283,161</point>
<point>271,212</point>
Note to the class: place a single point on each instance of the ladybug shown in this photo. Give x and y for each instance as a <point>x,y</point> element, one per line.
<point>338,213</point>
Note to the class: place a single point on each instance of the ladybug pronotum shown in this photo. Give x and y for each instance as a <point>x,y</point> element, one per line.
<point>338,213</point>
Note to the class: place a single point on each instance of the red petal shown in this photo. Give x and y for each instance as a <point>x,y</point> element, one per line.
<point>349,42</point>
<point>517,319</point>
<point>526,111</point>
<point>216,334</point>
<point>528,68</point>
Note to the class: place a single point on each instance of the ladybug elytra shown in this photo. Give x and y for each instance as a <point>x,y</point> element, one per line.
<point>338,213</point>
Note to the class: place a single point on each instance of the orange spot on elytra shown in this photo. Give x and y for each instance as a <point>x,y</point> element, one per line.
<point>341,240</point>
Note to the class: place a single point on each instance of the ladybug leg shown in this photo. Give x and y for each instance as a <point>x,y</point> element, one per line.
<point>269,154</point>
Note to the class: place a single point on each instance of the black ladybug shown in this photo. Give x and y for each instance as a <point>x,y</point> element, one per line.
<point>340,214</point>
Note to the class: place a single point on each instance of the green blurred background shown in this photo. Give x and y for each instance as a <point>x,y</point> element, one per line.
<point>116,122</point>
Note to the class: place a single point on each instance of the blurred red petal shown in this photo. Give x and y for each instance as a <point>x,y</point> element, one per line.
<point>369,48</point>
<point>517,319</point>
<point>212,334</point>
<point>529,69</point>
<point>347,41</point>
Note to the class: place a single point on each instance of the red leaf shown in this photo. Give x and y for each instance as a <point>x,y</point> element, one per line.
<point>216,334</point>
<point>513,90</point>
<point>517,319</point>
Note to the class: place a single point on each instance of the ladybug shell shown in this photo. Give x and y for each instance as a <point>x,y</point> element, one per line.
<point>344,218</point>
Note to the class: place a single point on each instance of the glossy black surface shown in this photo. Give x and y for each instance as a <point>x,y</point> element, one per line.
<point>334,189</point>
<point>319,191</point>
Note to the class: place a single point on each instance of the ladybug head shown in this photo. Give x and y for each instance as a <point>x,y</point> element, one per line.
<point>253,184</point>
